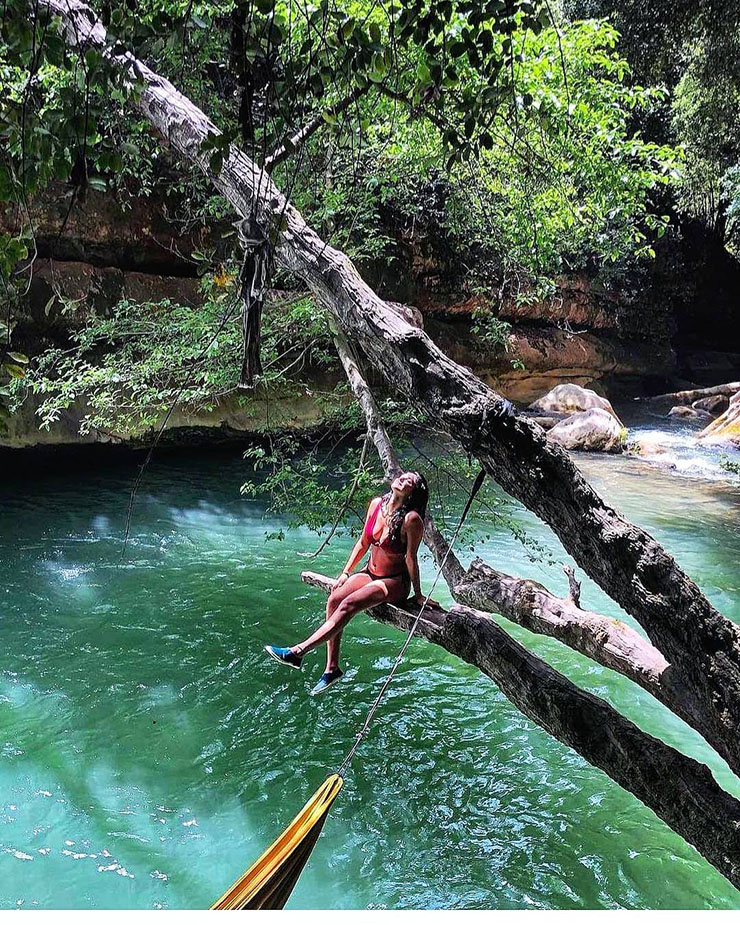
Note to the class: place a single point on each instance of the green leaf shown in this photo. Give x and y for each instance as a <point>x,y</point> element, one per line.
<point>14,371</point>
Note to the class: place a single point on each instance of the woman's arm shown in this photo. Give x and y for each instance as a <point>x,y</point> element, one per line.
<point>358,551</point>
<point>414,532</point>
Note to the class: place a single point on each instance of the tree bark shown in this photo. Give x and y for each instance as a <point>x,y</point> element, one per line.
<point>701,645</point>
<point>611,643</point>
<point>680,790</point>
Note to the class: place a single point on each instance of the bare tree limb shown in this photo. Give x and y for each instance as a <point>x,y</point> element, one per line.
<point>283,152</point>
<point>375,428</point>
<point>609,642</point>
<point>690,395</point>
<point>574,586</point>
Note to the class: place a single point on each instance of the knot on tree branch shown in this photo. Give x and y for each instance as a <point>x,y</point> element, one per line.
<point>574,587</point>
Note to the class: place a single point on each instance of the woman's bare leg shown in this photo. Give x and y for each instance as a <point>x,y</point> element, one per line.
<point>353,583</point>
<point>396,591</point>
<point>372,593</point>
<point>332,652</point>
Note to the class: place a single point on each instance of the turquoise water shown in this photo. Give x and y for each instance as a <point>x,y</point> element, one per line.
<point>149,752</point>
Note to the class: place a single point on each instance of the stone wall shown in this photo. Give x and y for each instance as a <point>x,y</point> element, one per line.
<point>98,252</point>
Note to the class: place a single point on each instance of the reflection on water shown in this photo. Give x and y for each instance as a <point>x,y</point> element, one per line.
<point>149,751</point>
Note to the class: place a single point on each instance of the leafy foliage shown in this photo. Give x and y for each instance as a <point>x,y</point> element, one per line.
<point>692,47</point>
<point>561,182</point>
<point>13,250</point>
<point>309,483</point>
<point>730,465</point>
<point>483,131</point>
<point>706,118</point>
<point>130,366</point>
<point>538,119</point>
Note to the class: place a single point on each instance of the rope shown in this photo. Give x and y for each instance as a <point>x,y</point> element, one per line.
<point>399,658</point>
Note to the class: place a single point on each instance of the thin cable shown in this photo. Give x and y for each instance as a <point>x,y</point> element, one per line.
<point>376,703</point>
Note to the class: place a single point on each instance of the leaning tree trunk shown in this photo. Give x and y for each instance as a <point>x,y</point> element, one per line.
<point>679,789</point>
<point>701,645</point>
<point>527,681</point>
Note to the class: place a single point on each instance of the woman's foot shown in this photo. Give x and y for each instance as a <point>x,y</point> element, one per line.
<point>284,655</point>
<point>326,680</point>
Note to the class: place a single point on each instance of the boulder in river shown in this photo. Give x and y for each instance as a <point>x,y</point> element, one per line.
<point>595,430</point>
<point>686,411</point>
<point>714,404</point>
<point>570,398</point>
<point>646,446</point>
<point>726,429</point>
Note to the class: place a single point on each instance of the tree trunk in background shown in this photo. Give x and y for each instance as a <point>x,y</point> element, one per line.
<point>690,395</point>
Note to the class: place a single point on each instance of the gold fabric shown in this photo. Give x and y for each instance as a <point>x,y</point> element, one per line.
<point>271,879</point>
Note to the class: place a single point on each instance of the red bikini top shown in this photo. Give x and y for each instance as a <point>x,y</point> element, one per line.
<point>397,546</point>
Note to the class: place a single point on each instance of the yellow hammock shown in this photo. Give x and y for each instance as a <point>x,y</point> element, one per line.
<point>270,880</point>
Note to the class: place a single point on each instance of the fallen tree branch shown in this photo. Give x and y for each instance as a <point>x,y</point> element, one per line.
<point>283,152</point>
<point>680,790</point>
<point>611,643</point>
<point>690,395</point>
<point>702,646</point>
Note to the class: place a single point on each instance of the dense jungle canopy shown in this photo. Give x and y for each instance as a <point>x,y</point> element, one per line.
<point>309,147</point>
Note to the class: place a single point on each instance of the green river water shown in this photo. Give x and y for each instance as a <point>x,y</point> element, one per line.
<point>149,751</point>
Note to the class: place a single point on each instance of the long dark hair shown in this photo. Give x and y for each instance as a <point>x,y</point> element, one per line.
<point>416,501</point>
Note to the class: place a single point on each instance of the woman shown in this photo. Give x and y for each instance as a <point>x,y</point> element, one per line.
<point>393,529</point>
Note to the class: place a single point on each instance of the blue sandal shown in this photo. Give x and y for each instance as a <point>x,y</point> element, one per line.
<point>326,680</point>
<point>285,656</point>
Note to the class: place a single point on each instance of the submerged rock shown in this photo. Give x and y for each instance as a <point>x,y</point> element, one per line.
<point>595,430</point>
<point>686,411</point>
<point>570,398</point>
<point>646,446</point>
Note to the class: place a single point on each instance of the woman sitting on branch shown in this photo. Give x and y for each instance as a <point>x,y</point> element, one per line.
<point>393,530</point>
